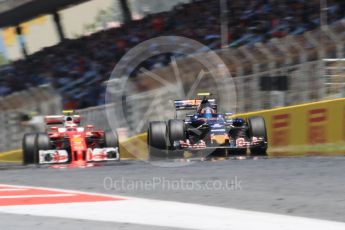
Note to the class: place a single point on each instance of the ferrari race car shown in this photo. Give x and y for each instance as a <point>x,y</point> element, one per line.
<point>66,142</point>
<point>206,131</point>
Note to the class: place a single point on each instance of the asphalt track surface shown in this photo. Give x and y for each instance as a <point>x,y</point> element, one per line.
<point>311,187</point>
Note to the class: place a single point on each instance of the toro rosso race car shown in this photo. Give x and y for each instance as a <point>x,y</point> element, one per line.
<point>65,142</point>
<point>206,131</point>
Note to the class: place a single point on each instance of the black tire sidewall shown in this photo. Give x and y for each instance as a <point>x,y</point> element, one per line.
<point>257,128</point>
<point>29,148</point>
<point>111,139</point>
<point>42,143</point>
<point>176,131</point>
<point>157,140</point>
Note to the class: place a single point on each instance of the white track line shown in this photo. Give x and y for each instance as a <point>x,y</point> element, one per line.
<point>172,214</point>
<point>12,189</point>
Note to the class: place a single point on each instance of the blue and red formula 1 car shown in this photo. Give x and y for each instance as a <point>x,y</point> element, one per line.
<point>66,142</point>
<point>206,131</point>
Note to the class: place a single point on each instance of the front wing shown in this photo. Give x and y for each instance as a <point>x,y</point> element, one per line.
<point>93,155</point>
<point>239,143</point>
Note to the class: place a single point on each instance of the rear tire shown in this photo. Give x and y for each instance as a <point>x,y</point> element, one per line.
<point>176,132</point>
<point>29,148</point>
<point>42,143</point>
<point>257,128</point>
<point>157,140</point>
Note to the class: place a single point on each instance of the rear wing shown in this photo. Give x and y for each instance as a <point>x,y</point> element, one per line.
<point>192,104</point>
<point>60,119</point>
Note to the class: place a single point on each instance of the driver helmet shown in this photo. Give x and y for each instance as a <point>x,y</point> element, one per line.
<point>207,112</point>
<point>69,123</point>
<point>203,104</point>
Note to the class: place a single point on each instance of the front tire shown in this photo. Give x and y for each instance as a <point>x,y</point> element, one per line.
<point>176,132</point>
<point>42,143</point>
<point>157,140</point>
<point>29,148</point>
<point>257,128</point>
<point>111,139</point>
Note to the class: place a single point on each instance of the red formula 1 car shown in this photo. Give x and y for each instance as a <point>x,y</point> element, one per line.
<point>65,142</point>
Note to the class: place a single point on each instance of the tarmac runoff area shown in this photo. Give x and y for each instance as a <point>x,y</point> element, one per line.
<point>283,193</point>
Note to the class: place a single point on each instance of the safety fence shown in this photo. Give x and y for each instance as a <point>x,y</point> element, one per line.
<point>33,103</point>
<point>312,65</point>
<point>135,111</point>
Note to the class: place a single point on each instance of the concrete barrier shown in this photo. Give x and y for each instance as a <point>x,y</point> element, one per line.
<point>135,147</point>
<point>13,156</point>
<point>308,129</point>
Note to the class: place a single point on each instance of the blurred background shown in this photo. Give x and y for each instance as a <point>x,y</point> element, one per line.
<point>60,55</point>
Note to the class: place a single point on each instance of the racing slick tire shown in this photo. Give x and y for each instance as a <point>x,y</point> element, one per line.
<point>42,143</point>
<point>157,140</point>
<point>176,132</point>
<point>257,128</point>
<point>29,148</point>
<point>111,139</point>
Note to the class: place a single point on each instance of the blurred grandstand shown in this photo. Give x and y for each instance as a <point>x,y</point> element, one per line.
<point>280,52</point>
<point>84,63</point>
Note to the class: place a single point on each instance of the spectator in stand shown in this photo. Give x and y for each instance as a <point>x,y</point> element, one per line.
<point>76,66</point>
